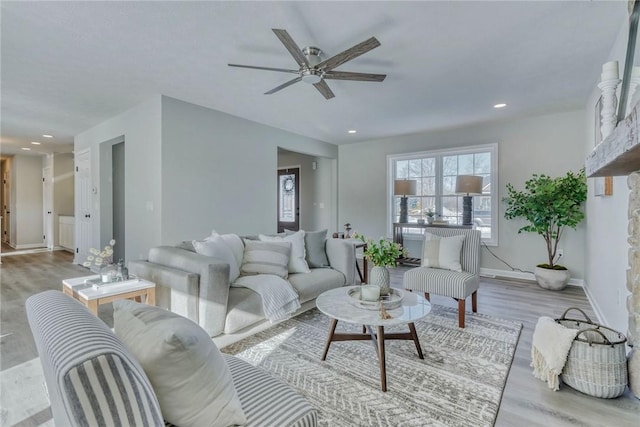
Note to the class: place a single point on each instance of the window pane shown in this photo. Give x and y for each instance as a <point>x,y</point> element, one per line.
<point>429,167</point>
<point>415,168</point>
<point>465,164</point>
<point>449,185</point>
<point>482,163</point>
<point>428,186</point>
<point>450,165</point>
<point>402,169</point>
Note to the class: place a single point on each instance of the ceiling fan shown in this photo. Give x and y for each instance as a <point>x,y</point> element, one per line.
<point>314,70</point>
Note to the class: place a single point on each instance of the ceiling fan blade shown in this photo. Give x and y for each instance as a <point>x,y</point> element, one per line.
<point>324,89</point>
<point>283,85</point>
<point>263,68</point>
<point>348,55</point>
<point>292,47</point>
<point>346,75</point>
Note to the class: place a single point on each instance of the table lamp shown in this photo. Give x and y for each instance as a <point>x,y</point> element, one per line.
<point>404,188</point>
<point>468,185</point>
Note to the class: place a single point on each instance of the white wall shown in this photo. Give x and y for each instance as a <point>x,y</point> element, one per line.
<point>141,128</point>
<point>550,144</point>
<point>218,171</point>
<point>606,224</point>
<point>27,207</point>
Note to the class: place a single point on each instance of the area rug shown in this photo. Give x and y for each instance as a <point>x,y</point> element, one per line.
<point>459,382</point>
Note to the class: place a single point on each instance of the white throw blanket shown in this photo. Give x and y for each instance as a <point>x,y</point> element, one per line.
<point>279,299</point>
<point>549,350</point>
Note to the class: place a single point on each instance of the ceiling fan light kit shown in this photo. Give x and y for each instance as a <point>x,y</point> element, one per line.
<point>314,70</point>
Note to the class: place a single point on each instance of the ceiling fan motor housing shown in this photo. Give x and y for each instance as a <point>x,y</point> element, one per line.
<point>311,75</point>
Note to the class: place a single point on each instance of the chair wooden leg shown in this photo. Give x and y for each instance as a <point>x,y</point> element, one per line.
<point>474,302</point>
<point>461,304</point>
<point>427,296</point>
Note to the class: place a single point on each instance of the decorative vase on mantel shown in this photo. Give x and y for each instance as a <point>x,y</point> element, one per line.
<point>379,276</point>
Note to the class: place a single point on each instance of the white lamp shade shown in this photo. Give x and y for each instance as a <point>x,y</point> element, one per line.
<point>405,187</point>
<point>469,184</point>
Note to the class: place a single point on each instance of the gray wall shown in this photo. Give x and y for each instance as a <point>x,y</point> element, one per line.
<point>26,201</point>
<point>141,125</point>
<point>550,144</point>
<point>606,256</point>
<point>190,169</point>
<point>317,191</point>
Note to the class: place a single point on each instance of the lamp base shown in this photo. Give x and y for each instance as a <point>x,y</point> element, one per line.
<point>466,210</point>
<point>404,211</point>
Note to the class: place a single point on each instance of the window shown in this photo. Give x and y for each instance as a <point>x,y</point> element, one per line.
<point>436,173</point>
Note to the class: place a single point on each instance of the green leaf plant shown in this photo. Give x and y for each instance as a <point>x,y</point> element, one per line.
<point>383,253</point>
<point>549,205</point>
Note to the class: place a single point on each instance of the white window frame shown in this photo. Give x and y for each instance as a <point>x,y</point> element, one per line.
<point>492,148</point>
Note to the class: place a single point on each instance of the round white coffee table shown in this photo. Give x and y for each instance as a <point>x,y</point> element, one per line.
<point>338,305</point>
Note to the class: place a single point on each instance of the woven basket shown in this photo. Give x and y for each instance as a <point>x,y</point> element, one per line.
<point>597,361</point>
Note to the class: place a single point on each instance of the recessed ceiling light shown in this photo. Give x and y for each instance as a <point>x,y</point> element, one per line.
<point>47,136</point>
<point>352,131</point>
<point>499,105</point>
<point>26,148</point>
<point>35,142</point>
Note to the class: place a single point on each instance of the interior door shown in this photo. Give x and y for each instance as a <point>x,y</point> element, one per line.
<point>6,203</point>
<point>83,206</point>
<point>47,204</point>
<point>288,199</point>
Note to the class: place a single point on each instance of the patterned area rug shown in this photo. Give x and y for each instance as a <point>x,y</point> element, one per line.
<point>459,382</point>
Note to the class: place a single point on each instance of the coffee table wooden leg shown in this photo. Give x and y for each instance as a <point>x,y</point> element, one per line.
<point>151,296</point>
<point>414,335</point>
<point>332,329</point>
<point>381,357</point>
<point>93,306</point>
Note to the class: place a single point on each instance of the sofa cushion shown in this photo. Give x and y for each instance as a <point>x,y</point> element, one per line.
<point>266,258</point>
<point>442,252</point>
<point>243,309</point>
<point>181,361</point>
<point>314,243</point>
<point>309,286</point>
<point>267,400</point>
<point>216,247</point>
<point>297,262</point>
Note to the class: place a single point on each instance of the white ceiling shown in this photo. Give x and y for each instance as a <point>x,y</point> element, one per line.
<point>67,66</point>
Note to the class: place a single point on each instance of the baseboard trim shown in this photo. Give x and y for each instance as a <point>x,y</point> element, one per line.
<point>596,308</point>
<point>519,275</point>
<point>30,246</point>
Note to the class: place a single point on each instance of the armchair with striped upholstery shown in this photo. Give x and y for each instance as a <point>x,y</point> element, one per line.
<point>458,285</point>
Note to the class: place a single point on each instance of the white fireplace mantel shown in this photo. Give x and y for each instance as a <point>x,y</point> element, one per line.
<point>619,153</point>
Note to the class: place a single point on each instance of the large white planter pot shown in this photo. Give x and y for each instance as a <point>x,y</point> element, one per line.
<point>379,276</point>
<point>555,280</point>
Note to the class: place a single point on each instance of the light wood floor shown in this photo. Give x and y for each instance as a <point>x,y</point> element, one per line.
<point>526,401</point>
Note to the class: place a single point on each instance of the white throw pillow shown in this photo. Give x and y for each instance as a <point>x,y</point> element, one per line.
<point>233,241</point>
<point>266,258</point>
<point>442,252</point>
<point>297,261</point>
<point>216,247</point>
<point>187,371</point>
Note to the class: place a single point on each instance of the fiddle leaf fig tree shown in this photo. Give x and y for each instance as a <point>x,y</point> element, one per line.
<point>549,205</point>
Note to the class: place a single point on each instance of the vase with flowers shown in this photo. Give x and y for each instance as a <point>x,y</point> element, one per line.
<point>382,254</point>
<point>103,261</point>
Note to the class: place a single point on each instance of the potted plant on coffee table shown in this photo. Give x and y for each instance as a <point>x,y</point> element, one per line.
<point>549,205</point>
<point>382,254</point>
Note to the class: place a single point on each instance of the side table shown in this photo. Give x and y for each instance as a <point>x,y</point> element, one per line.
<point>92,297</point>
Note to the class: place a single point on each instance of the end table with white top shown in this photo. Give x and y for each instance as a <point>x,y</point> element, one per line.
<point>92,297</point>
<point>338,305</point>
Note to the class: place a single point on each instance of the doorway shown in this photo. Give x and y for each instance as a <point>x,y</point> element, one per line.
<point>118,187</point>
<point>288,199</point>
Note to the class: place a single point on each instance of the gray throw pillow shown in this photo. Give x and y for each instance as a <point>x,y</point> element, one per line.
<point>266,258</point>
<point>314,242</point>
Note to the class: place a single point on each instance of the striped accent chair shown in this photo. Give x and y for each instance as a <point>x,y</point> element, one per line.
<point>458,285</point>
<point>92,379</point>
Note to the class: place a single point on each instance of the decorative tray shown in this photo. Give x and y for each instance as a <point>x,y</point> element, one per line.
<point>97,283</point>
<point>391,301</point>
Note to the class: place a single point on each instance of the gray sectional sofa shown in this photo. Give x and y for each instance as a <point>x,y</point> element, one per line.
<point>197,287</point>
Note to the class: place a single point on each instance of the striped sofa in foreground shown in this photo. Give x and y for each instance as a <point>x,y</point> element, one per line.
<point>458,285</point>
<point>93,380</point>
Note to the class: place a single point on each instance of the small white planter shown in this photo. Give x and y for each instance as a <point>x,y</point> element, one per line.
<point>380,277</point>
<point>554,280</point>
